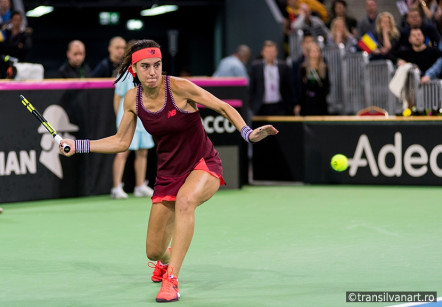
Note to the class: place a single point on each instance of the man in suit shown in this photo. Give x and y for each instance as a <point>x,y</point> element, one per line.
<point>270,86</point>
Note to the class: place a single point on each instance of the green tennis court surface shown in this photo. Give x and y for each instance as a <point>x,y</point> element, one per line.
<point>258,246</point>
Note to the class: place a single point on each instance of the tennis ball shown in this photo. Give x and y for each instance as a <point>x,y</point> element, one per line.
<point>406,112</point>
<point>339,163</point>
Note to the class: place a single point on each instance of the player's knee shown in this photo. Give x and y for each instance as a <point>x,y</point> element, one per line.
<point>185,204</point>
<point>153,254</point>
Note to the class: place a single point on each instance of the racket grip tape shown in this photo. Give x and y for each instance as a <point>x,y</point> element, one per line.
<point>66,147</point>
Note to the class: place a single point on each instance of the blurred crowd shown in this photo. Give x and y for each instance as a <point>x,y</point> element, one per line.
<point>299,85</point>
<point>280,82</point>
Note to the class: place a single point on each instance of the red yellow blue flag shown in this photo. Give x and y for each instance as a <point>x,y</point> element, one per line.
<point>368,42</point>
<point>2,36</point>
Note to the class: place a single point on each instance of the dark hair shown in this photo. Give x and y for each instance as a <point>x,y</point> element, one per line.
<point>13,13</point>
<point>127,59</point>
<point>336,2</point>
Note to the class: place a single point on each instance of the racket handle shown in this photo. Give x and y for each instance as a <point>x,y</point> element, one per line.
<point>66,147</point>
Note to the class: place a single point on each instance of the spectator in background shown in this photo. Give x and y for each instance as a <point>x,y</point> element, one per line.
<point>315,84</point>
<point>339,35</point>
<point>307,39</point>
<point>291,11</point>
<point>421,55</point>
<point>141,143</point>
<point>437,17</point>
<point>368,23</point>
<point>317,8</point>
<point>387,34</point>
<point>339,9</point>
<point>5,12</point>
<point>235,65</point>
<point>270,89</point>
<point>18,42</point>
<point>426,8</point>
<point>75,66</point>
<point>307,22</point>
<point>107,68</point>
<point>414,20</point>
<point>435,71</point>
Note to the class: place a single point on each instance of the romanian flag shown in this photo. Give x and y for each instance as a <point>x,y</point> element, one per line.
<point>2,36</point>
<point>368,43</point>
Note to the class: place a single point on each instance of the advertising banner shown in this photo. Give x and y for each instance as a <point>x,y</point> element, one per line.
<point>381,152</point>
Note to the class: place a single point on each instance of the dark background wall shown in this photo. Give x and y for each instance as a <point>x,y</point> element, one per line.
<point>52,33</point>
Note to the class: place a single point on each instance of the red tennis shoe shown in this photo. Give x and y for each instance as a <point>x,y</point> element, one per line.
<point>169,289</point>
<point>159,270</point>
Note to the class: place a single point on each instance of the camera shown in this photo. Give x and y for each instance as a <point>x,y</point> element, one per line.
<point>7,68</point>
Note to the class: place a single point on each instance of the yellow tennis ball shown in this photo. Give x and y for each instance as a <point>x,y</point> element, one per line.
<point>406,112</point>
<point>339,163</point>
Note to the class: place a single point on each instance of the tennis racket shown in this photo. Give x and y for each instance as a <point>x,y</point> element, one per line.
<point>44,122</point>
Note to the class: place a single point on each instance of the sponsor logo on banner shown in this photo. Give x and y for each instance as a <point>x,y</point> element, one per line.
<point>415,160</point>
<point>217,124</point>
<point>23,162</point>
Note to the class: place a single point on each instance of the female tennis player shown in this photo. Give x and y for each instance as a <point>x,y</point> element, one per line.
<point>189,168</point>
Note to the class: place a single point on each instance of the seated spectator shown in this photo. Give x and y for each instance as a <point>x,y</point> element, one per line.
<point>307,22</point>
<point>235,64</point>
<point>339,9</point>
<point>434,72</point>
<point>17,42</point>
<point>270,91</point>
<point>339,35</point>
<point>414,20</point>
<point>421,55</point>
<point>387,34</point>
<point>107,68</point>
<point>5,12</point>
<point>368,23</point>
<point>315,84</point>
<point>75,66</point>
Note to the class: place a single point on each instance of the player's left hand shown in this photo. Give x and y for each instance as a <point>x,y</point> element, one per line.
<point>261,133</point>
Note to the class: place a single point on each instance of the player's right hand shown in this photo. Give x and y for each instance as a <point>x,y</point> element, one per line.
<point>71,144</point>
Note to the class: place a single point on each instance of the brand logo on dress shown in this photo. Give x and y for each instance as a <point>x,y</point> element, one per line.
<point>152,52</point>
<point>171,113</point>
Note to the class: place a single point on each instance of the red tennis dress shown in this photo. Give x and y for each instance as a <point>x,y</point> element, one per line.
<point>182,145</point>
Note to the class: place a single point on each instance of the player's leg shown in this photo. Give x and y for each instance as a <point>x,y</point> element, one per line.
<point>199,187</point>
<point>159,231</point>
<point>117,174</point>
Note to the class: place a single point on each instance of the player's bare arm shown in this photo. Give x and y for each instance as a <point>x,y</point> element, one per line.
<point>185,90</point>
<point>121,140</point>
